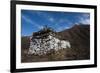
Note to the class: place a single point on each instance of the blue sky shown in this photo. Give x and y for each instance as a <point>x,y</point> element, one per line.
<point>32,20</point>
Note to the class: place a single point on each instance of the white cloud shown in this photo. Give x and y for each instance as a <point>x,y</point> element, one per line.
<point>51,19</point>
<point>84,20</point>
<point>46,16</point>
<point>31,22</point>
<point>65,23</point>
<point>86,15</point>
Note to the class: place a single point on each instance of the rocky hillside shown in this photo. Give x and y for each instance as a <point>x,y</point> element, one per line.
<point>79,38</point>
<point>78,35</point>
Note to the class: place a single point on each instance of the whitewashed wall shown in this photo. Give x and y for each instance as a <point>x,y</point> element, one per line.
<point>42,46</point>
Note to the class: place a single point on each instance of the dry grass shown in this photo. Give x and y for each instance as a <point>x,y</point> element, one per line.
<point>60,55</point>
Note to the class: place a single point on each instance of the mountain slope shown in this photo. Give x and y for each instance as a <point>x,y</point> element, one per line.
<point>78,34</point>
<point>79,37</point>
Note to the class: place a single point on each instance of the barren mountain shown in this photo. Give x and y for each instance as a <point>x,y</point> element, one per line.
<point>78,35</point>
<point>79,38</point>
